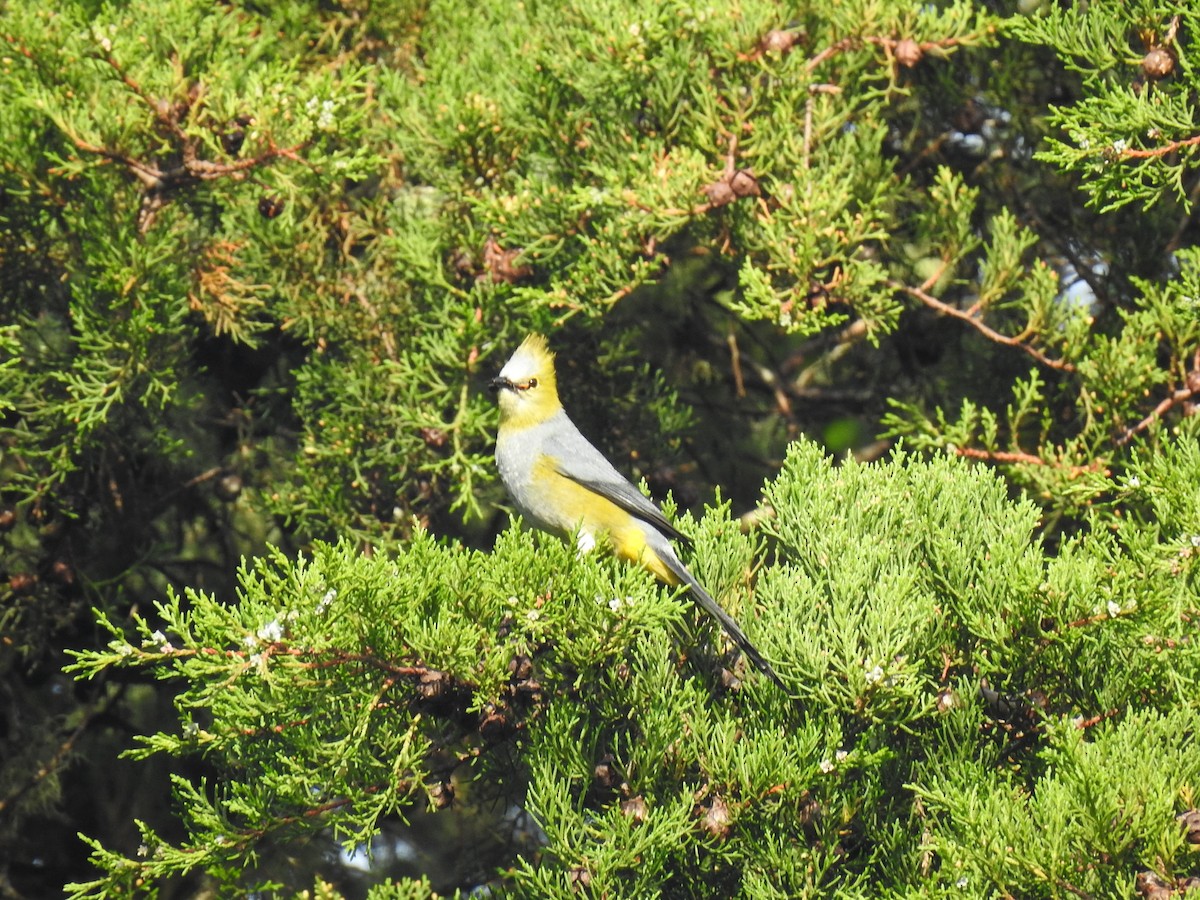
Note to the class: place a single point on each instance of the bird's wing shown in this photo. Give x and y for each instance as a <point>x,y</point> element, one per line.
<point>575,458</point>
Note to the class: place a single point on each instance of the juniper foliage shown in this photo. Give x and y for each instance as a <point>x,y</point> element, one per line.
<point>256,265</point>
<point>340,689</point>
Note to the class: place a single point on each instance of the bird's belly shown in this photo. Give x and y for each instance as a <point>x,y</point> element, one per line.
<point>553,502</point>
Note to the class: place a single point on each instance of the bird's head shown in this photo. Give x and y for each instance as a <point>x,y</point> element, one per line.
<point>526,387</point>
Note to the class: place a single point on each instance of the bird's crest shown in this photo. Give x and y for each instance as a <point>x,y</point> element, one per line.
<point>533,359</point>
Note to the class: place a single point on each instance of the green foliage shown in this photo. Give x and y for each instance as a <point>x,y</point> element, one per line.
<point>1049,843</point>
<point>1109,378</point>
<point>257,262</point>
<point>621,126</point>
<point>340,688</point>
<point>1132,137</point>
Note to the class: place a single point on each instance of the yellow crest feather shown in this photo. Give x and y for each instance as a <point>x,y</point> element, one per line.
<point>538,349</point>
<point>533,359</point>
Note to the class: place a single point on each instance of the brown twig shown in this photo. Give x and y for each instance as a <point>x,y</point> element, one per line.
<point>160,180</point>
<point>1019,457</point>
<point>889,44</point>
<point>1161,409</point>
<point>830,51</point>
<point>1078,892</point>
<point>735,361</point>
<point>1155,152</point>
<point>988,332</point>
<point>1190,389</point>
<point>249,835</point>
<point>1001,456</point>
<point>1092,721</point>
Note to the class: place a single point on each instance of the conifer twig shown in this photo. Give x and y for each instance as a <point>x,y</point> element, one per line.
<point>990,333</point>
<point>1190,389</point>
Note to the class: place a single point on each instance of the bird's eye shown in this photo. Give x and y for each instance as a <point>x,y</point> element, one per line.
<point>531,383</point>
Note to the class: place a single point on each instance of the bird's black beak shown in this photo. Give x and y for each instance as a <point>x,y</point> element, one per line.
<point>496,384</point>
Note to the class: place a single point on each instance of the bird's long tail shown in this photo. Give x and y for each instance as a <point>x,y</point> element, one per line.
<point>706,602</point>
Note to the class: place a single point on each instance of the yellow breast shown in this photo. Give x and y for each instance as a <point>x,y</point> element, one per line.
<point>595,516</point>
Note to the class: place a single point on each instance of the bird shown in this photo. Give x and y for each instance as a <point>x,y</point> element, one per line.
<point>560,483</point>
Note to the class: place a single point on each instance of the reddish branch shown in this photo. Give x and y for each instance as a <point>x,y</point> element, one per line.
<point>1155,152</point>
<point>250,835</point>
<point>1183,395</point>
<point>1000,456</point>
<point>309,658</point>
<point>905,50</point>
<point>1092,721</point>
<point>191,167</point>
<point>160,179</point>
<point>832,50</point>
<point>1180,396</point>
<point>887,43</point>
<point>990,333</point>
<point>1011,457</point>
<point>1190,389</point>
